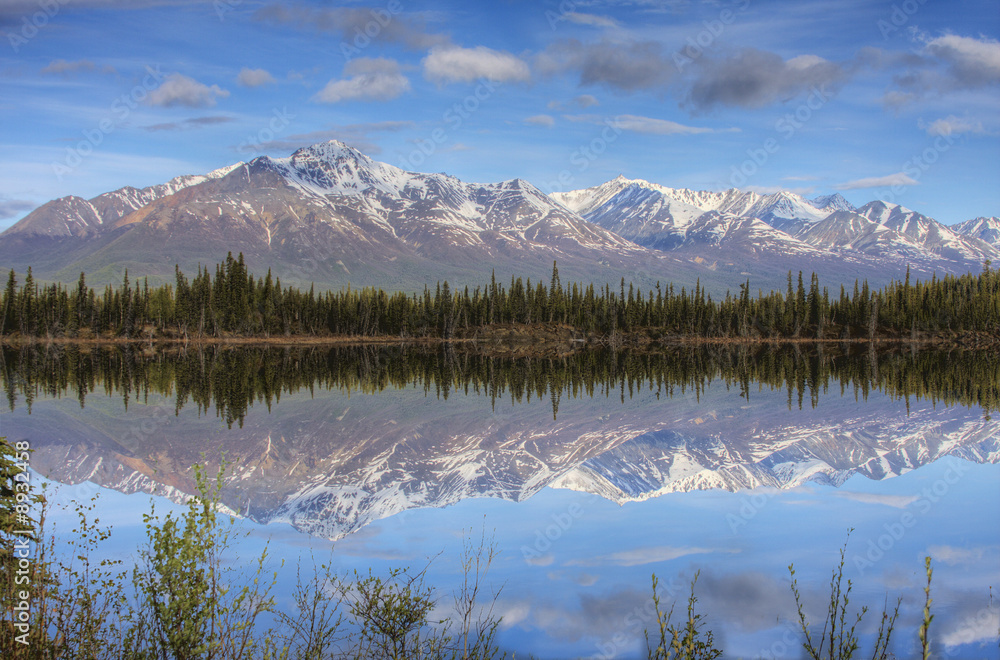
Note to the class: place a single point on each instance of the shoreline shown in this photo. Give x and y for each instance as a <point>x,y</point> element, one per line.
<point>502,339</point>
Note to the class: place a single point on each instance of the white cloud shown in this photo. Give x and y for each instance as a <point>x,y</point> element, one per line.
<point>592,20</point>
<point>952,555</point>
<point>514,613</point>
<point>447,64</point>
<point>802,62</point>
<point>254,77</point>
<point>974,62</point>
<point>897,179</point>
<point>64,66</point>
<point>982,627</point>
<point>946,64</point>
<point>540,560</point>
<point>653,126</point>
<point>178,89</point>
<point>952,125</point>
<point>371,79</point>
<point>541,120</point>
<point>895,501</point>
<point>642,556</point>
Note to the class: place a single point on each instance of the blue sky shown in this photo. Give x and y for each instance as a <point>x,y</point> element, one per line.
<point>891,100</point>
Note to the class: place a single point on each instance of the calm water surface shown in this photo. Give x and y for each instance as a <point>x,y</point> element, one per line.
<point>591,471</point>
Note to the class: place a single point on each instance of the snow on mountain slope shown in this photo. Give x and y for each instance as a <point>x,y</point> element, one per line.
<point>351,219</point>
<point>75,216</point>
<point>783,210</point>
<point>668,219</point>
<point>645,215</point>
<point>782,456</point>
<point>786,211</point>
<point>985,229</point>
<point>428,208</point>
<point>834,202</point>
<point>63,217</point>
<point>879,237</point>
<point>330,215</point>
<point>588,200</point>
<point>850,232</point>
<point>333,168</point>
<point>929,234</point>
<point>747,234</point>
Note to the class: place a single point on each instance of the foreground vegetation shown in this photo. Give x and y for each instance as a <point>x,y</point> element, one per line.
<point>184,600</point>
<point>233,302</point>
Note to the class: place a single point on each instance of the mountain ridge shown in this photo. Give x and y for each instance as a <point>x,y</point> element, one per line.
<point>332,215</point>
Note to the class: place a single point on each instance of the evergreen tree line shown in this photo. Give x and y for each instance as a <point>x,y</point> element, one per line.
<point>235,302</point>
<point>231,380</point>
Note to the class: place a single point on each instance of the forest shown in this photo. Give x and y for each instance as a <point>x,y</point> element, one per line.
<point>231,301</point>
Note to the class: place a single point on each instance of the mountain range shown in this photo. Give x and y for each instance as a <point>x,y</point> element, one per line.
<point>331,215</point>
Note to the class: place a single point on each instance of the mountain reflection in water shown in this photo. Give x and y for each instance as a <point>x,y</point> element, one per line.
<point>331,439</point>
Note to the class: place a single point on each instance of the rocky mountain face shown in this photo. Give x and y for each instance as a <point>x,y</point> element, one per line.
<point>329,214</point>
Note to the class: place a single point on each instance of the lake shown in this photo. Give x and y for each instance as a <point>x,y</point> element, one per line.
<point>590,471</point>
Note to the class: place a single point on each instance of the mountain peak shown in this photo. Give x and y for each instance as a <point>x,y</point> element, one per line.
<point>331,150</point>
<point>337,168</point>
<point>835,201</point>
<point>985,229</point>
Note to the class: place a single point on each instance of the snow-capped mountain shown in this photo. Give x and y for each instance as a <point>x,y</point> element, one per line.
<point>419,207</point>
<point>75,216</point>
<point>629,203</point>
<point>985,229</point>
<point>821,234</point>
<point>850,234</point>
<point>927,233</point>
<point>331,215</point>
